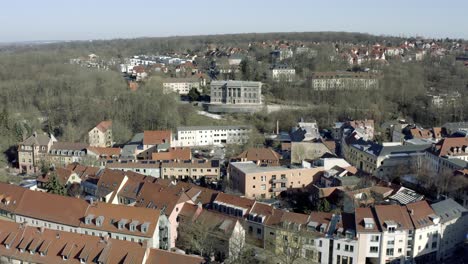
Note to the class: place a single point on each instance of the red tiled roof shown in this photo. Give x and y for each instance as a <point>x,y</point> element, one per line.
<point>173,154</point>
<point>104,125</point>
<point>156,137</point>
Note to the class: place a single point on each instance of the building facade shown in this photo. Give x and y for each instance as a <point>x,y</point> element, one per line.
<point>236,92</point>
<point>198,136</point>
<point>181,86</point>
<point>33,151</point>
<point>324,81</point>
<point>101,135</point>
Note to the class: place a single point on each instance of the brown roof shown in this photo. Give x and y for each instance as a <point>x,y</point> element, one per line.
<point>365,213</point>
<point>158,256</point>
<point>262,209</point>
<point>154,195</point>
<point>447,146</point>
<point>108,152</point>
<point>190,211</point>
<point>54,244</point>
<point>173,154</point>
<point>217,223</point>
<point>194,163</point>
<point>419,213</point>
<point>156,137</point>
<point>68,146</point>
<point>394,213</point>
<point>10,196</point>
<point>113,213</point>
<point>297,218</point>
<point>62,175</point>
<point>420,133</point>
<point>104,126</point>
<point>255,154</point>
<point>234,200</point>
<point>64,210</point>
<point>437,132</point>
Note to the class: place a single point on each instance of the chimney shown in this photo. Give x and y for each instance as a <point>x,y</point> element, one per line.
<point>277,127</point>
<point>41,229</point>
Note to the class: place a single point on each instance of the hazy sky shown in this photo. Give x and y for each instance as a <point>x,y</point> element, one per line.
<point>23,20</point>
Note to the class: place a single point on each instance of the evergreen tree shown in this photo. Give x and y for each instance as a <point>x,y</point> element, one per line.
<point>54,186</point>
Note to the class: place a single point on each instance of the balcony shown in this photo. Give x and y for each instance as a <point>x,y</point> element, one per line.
<point>278,189</point>
<point>281,180</point>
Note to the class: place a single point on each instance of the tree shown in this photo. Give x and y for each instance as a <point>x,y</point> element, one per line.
<point>193,95</point>
<point>54,186</point>
<point>195,237</point>
<point>324,205</point>
<point>287,244</point>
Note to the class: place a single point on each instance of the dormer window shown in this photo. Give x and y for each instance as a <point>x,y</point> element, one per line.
<point>144,227</point>
<point>89,219</point>
<point>99,220</point>
<point>391,226</point>
<point>133,225</point>
<point>369,223</point>
<point>122,223</point>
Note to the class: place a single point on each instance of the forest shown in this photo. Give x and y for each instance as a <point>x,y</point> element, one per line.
<point>41,91</point>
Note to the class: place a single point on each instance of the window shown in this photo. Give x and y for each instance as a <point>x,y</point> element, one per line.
<point>338,246</point>
<point>434,244</point>
<point>389,251</point>
<point>374,238</point>
<point>399,250</point>
<point>320,243</point>
<point>346,248</point>
<point>259,231</point>
<point>351,249</point>
<point>374,250</point>
<point>391,229</point>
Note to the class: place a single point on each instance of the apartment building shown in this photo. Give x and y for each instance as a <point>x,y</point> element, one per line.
<point>96,219</point>
<point>324,81</point>
<point>260,156</point>
<point>101,135</point>
<point>268,182</point>
<point>193,169</point>
<point>150,168</point>
<point>283,73</point>
<point>383,160</point>
<point>453,227</point>
<point>236,92</point>
<point>199,136</point>
<point>23,243</point>
<point>32,152</point>
<point>180,86</point>
<point>63,153</point>
<point>447,155</point>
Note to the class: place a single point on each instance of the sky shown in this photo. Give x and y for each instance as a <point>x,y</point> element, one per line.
<point>32,20</point>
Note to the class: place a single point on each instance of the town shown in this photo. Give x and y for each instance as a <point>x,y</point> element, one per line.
<point>271,148</point>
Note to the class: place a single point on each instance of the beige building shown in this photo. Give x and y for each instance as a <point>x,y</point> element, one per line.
<point>344,80</point>
<point>101,135</point>
<point>180,86</point>
<point>32,151</point>
<point>194,169</point>
<point>63,153</point>
<point>267,182</point>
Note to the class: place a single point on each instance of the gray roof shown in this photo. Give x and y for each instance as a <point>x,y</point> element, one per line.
<point>448,210</point>
<point>455,125</point>
<point>457,162</point>
<point>41,139</point>
<point>185,128</point>
<point>69,146</point>
<point>235,83</point>
<point>380,150</point>
<point>251,167</point>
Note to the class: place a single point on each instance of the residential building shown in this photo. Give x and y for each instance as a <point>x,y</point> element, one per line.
<point>153,138</point>
<point>174,153</point>
<point>180,86</point>
<point>198,136</point>
<point>193,169</point>
<point>305,131</point>
<point>23,243</point>
<point>453,227</point>
<point>268,182</point>
<point>283,73</point>
<point>65,177</point>
<point>424,242</point>
<point>226,233</point>
<point>101,135</point>
<point>236,92</point>
<point>32,152</point>
<point>447,155</point>
<point>102,155</point>
<point>63,153</point>
<point>98,219</point>
<point>307,151</point>
<point>150,168</point>
<point>260,156</point>
<point>383,160</point>
<point>324,81</point>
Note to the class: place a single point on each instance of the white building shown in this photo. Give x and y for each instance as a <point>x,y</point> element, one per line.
<point>453,226</point>
<point>196,136</point>
<point>283,73</point>
<point>180,86</point>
